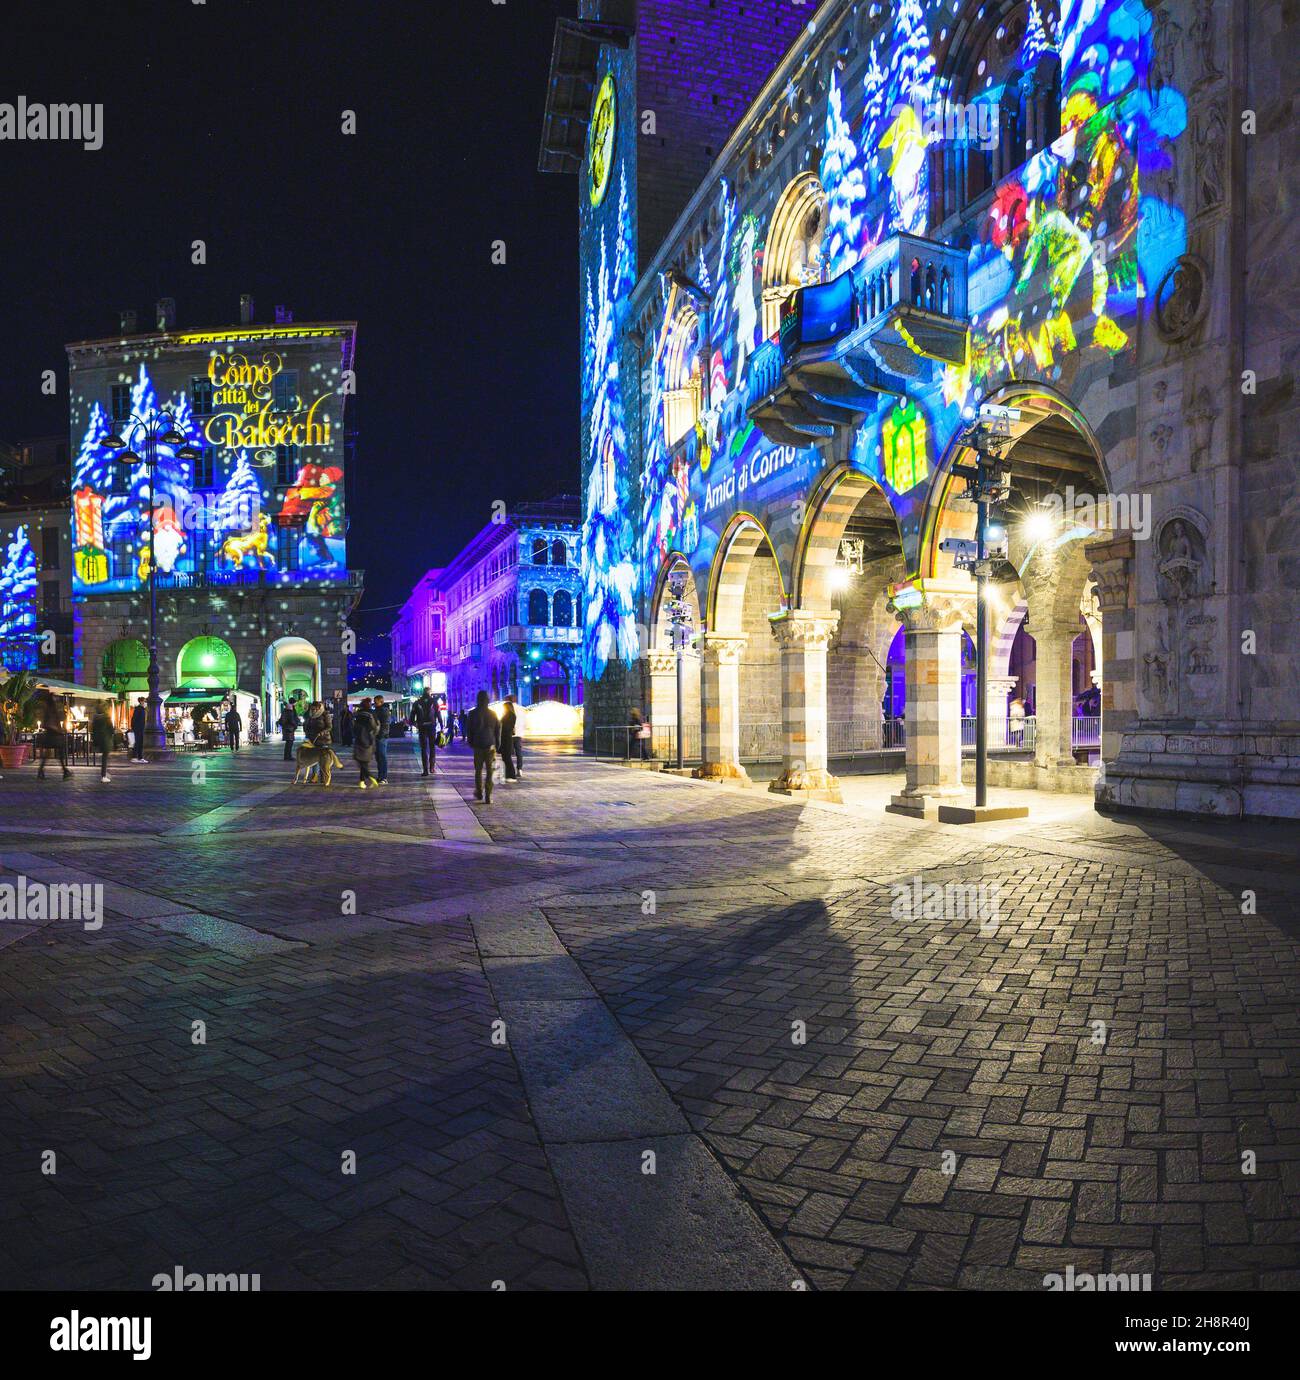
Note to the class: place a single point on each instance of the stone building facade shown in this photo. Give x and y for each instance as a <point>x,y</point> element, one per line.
<point>249,519</point>
<point>504,615</point>
<point>1053,229</point>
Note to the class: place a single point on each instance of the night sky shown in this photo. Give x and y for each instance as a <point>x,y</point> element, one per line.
<point>222,123</point>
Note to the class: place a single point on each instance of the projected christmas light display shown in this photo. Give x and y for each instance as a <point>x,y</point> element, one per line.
<point>18,590</point>
<point>239,514</point>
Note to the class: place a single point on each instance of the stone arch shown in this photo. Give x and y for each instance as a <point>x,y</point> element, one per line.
<point>831,505</point>
<point>741,541</point>
<point>207,661</point>
<point>672,563</point>
<point>661,660</point>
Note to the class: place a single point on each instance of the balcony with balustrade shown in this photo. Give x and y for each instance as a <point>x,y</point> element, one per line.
<point>867,332</point>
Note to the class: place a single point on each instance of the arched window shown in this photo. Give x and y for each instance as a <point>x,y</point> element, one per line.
<point>562,616</point>
<point>559,552</point>
<point>1006,103</point>
<point>793,255</point>
<point>539,613</point>
<point>540,550</point>
<point>683,382</point>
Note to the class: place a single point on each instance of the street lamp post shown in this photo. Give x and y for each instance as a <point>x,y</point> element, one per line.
<point>680,621</point>
<point>159,428</point>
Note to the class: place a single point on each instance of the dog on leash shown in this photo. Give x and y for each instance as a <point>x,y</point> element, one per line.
<point>315,757</point>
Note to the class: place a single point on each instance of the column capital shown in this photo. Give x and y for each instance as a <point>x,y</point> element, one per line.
<point>933,605</point>
<point>1002,685</point>
<point>1112,569</point>
<point>804,628</point>
<point>660,662</point>
<point>718,650</point>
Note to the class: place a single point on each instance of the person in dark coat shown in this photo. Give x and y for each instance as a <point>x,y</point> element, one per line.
<point>346,718</point>
<point>383,718</point>
<point>365,727</point>
<point>288,726</point>
<point>509,740</point>
<point>483,734</point>
<point>234,727</point>
<point>138,717</point>
<point>317,726</point>
<point>103,736</point>
<point>54,738</point>
<point>426,719</point>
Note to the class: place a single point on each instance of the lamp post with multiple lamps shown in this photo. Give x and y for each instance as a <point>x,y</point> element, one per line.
<point>681,620</point>
<point>988,482</point>
<point>148,434</point>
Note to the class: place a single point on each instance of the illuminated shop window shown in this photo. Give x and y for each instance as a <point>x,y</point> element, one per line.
<point>793,255</point>
<point>683,385</point>
<point>120,402</point>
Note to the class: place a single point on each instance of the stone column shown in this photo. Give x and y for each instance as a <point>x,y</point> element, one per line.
<point>720,710</point>
<point>661,667</point>
<point>1112,569</point>
<point>1054,694</point>
<point>933,626</point>
<point>803,637</point>
<point>997,690</point>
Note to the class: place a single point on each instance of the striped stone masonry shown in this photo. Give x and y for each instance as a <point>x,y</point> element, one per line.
<point>720,709</point>
<point>803,638</point>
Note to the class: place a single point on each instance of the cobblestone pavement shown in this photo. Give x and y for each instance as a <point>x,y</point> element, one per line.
<point>502,1011</point>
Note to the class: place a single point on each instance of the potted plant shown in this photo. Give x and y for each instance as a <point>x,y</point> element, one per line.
<point>17,716</point>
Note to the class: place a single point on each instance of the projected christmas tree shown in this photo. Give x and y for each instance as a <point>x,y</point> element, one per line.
<point>18,604</point>
<point>841,175</point>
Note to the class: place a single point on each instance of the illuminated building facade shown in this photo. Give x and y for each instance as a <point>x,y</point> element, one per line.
<point>926,209</point>
<point>254,589</point>
<point>35,558</point>
<point>504,615</point>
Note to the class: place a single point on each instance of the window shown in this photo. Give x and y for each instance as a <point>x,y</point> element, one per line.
<point>563,614</point>
<point>286,465</point>
<point>203,469</point>
<point>539,612</point>
<point>122,558</point>
<point>120,402</point>
<point>284,391</point>
<point>559,552</point>
<point>50,548</point>
<point>119,481</point>
<point>50,598</point>
<point>683,383</point>
<point>793,254</point>
<point>201,395</point>
<point>286,548</point>
<point>198,543</point>
<point>540,550</point>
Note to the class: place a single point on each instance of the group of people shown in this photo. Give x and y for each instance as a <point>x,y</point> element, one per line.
<point>366,730</point>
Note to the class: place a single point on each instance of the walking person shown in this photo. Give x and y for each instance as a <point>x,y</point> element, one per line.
<point>383,719</point>
<point>234,726</point>
<point>54,738</point>
<point>346,718</point>
<point>288,726</point>
<point>509,727</point>
<point>426,719</point>
<point>138,717</point>
<point>254,725</point>
<point>364,729</point>
<point>483,734</point>
<point>103,736</point>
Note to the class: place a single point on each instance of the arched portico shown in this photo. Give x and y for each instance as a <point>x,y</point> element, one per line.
<point>745,593</point>
<point>674,582</point>
<point>290,671</point>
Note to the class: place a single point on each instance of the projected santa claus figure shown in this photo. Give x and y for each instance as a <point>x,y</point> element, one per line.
<point>313,503</point>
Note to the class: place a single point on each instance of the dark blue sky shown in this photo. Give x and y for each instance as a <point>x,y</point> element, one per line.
<point>222,123</point>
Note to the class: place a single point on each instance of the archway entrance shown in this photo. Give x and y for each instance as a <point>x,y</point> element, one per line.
<point>290,671</point>
<point>850,556</point>
<point>124,668</point>
<point>1057,504</point>
<point>207,663</point>
<point>740,676</point>
<point>675,592</point>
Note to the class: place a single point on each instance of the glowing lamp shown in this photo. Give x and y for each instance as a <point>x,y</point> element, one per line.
<point>1038,526</point>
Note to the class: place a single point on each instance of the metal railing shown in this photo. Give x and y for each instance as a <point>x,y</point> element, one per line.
<point>1085,731</point>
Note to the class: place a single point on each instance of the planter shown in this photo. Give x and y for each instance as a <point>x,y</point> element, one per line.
<point>14,754</point>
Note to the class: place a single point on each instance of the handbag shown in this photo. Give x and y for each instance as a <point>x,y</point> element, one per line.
<point>498,770</point>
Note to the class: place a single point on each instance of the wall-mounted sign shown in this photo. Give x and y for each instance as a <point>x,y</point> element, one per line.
<point>600,146</point>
